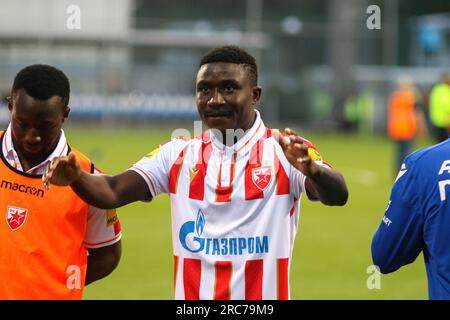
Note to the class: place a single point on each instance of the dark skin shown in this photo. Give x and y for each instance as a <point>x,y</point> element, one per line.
<point>326,185</point>
<point>36,128</point>
<point>226,97</point>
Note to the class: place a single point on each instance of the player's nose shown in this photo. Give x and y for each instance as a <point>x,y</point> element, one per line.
<point>216,98</point>
<point>33,136</point>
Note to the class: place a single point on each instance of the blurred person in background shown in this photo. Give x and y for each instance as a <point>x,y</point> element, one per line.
<point>440,108</point>
<point>352,112</point>
<point>46,235</point>
<point>405,118</point>
<point>235,190</point>
<point>358,112</point>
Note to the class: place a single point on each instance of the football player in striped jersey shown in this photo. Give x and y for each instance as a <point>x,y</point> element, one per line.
<point>234,190</point>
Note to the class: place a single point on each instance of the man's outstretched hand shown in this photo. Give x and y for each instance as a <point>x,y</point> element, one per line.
<point>326,185</point>
<point>62,171</point>
<point>296,151</point>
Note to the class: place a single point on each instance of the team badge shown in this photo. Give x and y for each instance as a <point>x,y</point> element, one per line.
<point>15,217</point>
<point>262,176</point>
<point>314,154</point>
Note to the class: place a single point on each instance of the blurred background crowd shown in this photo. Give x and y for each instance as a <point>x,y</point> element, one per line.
<point>322,62</point>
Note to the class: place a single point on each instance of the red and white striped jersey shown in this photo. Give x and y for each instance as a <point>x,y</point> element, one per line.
<point>235,213</point>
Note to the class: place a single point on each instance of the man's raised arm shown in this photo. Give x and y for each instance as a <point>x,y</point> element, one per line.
<point>100,190</point>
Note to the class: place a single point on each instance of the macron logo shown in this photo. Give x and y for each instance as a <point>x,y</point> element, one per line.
<point>401,172</point>
<point>21,188</point>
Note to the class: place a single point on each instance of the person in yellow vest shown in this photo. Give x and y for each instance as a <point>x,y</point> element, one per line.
<point>405,119</point>
<point>52,243</point>
<point>440,108</point>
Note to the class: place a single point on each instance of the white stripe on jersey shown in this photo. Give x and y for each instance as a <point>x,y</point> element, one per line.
<point>252,223</point>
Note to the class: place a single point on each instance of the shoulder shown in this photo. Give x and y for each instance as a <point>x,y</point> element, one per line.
<point>172,148</point>
<point>423,168</point>
<point>427,157</point>
<point>85,163</point>
<point>79,154</point>
<point>417,180</point>
<point>178,143</point>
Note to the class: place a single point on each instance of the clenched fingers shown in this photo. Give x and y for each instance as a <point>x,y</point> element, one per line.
<point>49,170</point>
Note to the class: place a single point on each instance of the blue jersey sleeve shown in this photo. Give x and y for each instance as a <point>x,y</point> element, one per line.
<point>398,240</point>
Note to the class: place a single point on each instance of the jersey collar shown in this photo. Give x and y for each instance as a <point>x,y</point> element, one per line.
<point>246,142</point>
<point>11,155</point>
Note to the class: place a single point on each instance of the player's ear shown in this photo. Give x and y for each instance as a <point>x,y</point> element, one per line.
<point>9,102</point>
<point>66,113</point>
<point>256,94</point>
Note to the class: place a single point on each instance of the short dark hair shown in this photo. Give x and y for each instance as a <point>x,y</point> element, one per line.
<point>42,82</point>
<point>232,54</point>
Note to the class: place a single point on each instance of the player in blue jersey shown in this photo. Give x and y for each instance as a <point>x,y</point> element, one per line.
<point>418,219</point>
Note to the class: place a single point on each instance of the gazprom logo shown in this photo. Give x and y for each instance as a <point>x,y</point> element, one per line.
<point>191,239</point>
<point>200,223</point>
<point>197,243</point>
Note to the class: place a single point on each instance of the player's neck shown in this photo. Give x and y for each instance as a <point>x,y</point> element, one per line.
<point>230,137</point>
<point>27,163</point>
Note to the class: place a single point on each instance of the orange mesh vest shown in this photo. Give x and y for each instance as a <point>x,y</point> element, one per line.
<point>42,255</point>
<point>402,121</point>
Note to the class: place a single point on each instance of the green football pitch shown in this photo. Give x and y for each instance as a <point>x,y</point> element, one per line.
<point>332,249</point>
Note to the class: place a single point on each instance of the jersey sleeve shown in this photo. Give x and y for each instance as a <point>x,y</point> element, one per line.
<point>297,179</point>
<point>154,167</point>
<point>103,226</point>
<point>398,240</point>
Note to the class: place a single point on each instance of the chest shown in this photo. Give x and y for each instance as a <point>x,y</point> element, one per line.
<point>212,175</point>
<point>29,213</point>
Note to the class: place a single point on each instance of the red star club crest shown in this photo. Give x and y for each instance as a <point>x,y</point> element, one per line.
<point>15,217</point>
<point>262,176</point>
